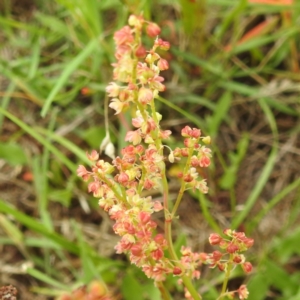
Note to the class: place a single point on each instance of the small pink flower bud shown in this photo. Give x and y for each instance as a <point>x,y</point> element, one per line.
<point>215,239</point>
<point>153,30</point>
<point>177,271</point>
<point>139,149</point>
<point>163,64</point>
<point>159,239</point>
<point>204,161</point>
<point>137,122</point>
<point>93,156</point>
<point>185,152</point>
<point>248,242</point>
<point>129,227</point>
<point>243,292</point>
<point>144,217</point>
<point>247,267</point>
<point>81,171</point>
<point>196,133</point>
<point>202,187</point>
<point>232,248</point>
<point>186,131</point>
<point>204,257</point>
<point>188,178</point>
<point>117,105</point>
<point>221,267</point>
<point>140,52</point>
<point>238,259</point>
<point>136,250</point>
<point>157,206</point>
<point>180,175</point>
<point>157,254</point>
<point>123,178</point>
<point>163,45</point>
<point>93,186</point>
<point>217,255</point>
<point>133,137</point>
<point>194,161</point>
<point>123,36</point>
<point>165,134</point>
<point>148,184</point>
<point>145,95</point>
<point>112,89</point>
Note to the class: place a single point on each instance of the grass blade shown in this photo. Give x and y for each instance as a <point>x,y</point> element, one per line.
<point>263,178</point>
<point>67,73</point>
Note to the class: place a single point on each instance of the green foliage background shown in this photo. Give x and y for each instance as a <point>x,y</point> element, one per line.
<point>246,97</point>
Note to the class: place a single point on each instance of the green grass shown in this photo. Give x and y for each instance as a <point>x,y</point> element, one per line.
<point>246,99</point>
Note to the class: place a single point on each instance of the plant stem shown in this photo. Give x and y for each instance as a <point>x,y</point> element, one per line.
<point>227,275</point>
<point>183,184</point>
<point>188,284</point>
<point>163,291</point>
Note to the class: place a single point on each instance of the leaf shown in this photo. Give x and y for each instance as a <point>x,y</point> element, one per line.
<point>266,171</point>
<point>258,287</point>
<point>39,138</point>
<point>13,154</point>
<point>71,67</point>
<point>220,113</point>
<point>131,289</point>
<point>228,179</point>
<point>45,278</point>
<point>89,270</point>
<point>94,136</point>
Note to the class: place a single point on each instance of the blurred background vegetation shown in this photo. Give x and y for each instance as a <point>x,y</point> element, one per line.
<point>234,73</point>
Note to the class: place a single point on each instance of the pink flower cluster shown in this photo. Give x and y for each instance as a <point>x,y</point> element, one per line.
<point>120,197</point>
<point>198,156</point>
<point>120,185</point>
<point>233,245</point>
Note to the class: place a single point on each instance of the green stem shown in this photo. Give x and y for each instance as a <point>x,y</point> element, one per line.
<point>183,184</point>
<point>188,284</point>
<point>227,275</point>
<point>112,187</point>
<point>163,291</point>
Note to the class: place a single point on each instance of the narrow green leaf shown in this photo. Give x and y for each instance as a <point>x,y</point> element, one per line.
<point>89,270</point>
<point>208,66</point>
<point>45,278</point>
<point>13,154</point>
<point>38,227</point>
<point>62,80</point>
<point>131,289</point>
<point>68,144</point>
<point>228,179</point>
<point>258,287</point>
<point>265,174</point>
<point>40,139</point>
<point>220,113</point>
<point>270,204</point>
<point>35,58</point>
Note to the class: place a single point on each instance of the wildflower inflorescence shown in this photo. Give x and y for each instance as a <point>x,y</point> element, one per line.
<point>119,185</point>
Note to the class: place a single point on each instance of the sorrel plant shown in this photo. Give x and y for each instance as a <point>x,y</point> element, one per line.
<point>120,185</point>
